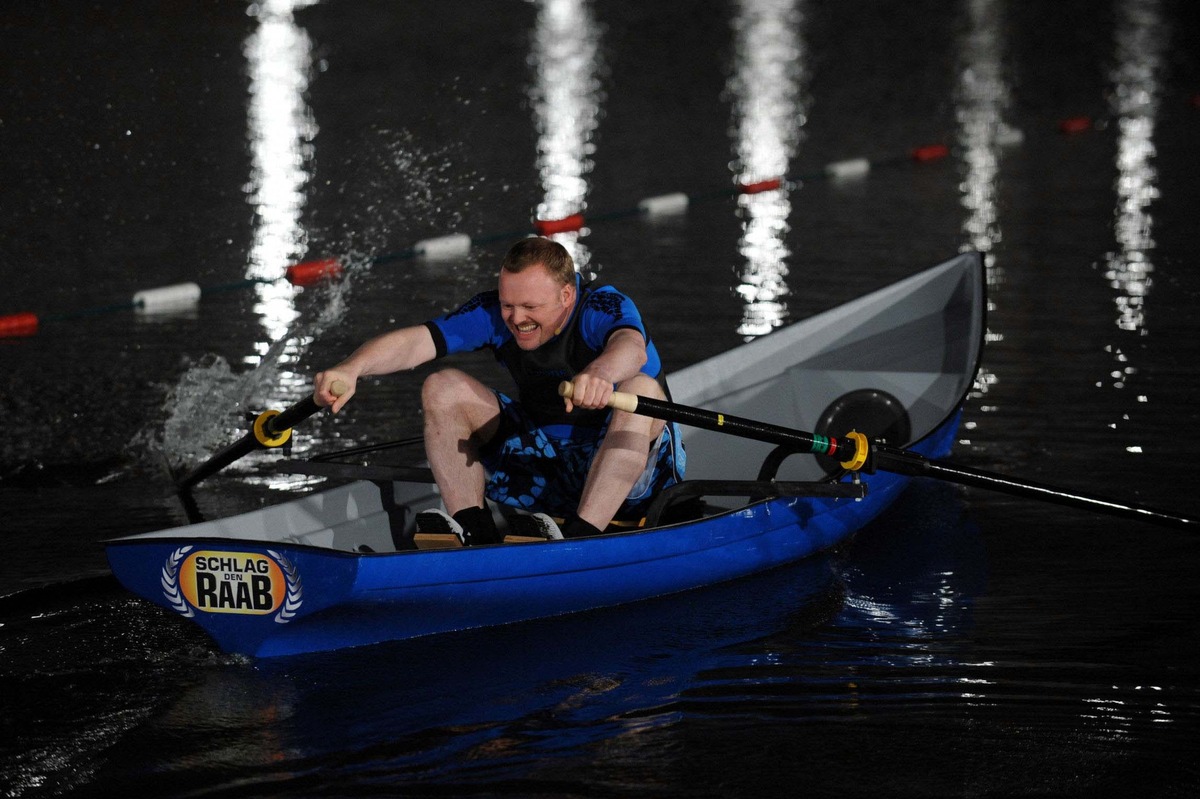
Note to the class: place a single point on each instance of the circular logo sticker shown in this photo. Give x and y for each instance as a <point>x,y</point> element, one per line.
<point>249,583</point>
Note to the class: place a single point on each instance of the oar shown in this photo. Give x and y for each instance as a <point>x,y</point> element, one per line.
<point>270,429</point>
<point>860,453</point>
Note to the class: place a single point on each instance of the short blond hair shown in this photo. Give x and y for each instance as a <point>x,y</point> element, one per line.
<point>538,250</point>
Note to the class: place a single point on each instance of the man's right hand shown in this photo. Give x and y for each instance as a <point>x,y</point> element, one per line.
<point>333,388</point>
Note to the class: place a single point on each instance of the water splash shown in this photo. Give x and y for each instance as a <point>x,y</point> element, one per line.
<point>209,405</point>
<point>191,430</point>
<point>396,184</point>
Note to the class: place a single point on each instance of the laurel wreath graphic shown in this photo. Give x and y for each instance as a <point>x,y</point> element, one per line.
<point>295,590</point>
<point>170,582</point>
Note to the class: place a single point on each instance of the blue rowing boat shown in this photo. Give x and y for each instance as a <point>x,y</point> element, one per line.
<point>340,568</point>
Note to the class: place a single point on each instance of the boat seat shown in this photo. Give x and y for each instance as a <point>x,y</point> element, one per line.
<point>436,541</point>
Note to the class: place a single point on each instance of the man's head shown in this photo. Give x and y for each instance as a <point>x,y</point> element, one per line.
<point>537,290</point>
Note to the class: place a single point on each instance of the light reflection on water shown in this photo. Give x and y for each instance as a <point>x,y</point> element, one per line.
<point>566,95</point>
<point>208,399</point>
<point>280,128</point>
<point>281,131</point>
<point>766,89</point>
<point>1140,36</point>
<point>982,98</point>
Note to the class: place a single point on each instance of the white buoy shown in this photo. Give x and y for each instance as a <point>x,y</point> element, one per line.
<point>455,245</point>
<point>166,299</point>
<point>850,168</point>
<point>664,204</point>
<point>1009,136</point>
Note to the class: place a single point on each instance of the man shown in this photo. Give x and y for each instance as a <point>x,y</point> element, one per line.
<point>568,458</point>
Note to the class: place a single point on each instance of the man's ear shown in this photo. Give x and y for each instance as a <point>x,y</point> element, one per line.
<point>568,293</point>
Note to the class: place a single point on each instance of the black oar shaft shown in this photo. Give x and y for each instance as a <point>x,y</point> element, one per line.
<point>904,462</point>
<point>843,448</point>
<point>290,417</point>
<point>745,428</point>
<point>272,425</point>
<point>238,449</point>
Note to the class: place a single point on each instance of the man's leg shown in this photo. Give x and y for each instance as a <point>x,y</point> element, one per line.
<point>460,414</point>
<point>621,458</point>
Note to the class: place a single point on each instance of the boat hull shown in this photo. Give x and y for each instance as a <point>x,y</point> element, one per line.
<point>323,599</point>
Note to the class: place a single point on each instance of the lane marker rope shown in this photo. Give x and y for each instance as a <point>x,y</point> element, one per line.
<point>182,296</point>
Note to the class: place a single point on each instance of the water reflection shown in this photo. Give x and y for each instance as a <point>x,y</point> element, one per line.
<point>982,97</point>
<point>281,130</point>
<point>566,96</point>
<point>1140,39</point>
<point>766,89</point>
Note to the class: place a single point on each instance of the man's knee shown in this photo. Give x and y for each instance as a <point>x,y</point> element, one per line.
<point>645,386</point>
<point>642,384</point>
<point>444,388</point>
<point>453,398</point>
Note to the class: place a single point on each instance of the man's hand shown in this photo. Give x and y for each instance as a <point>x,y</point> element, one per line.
<point>623,356</point>
<point>333,388</point>
<point>591,392</point>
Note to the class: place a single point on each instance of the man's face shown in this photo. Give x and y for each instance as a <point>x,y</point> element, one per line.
<point>534,305</point>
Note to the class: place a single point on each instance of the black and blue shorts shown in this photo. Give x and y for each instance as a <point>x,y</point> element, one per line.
<point>543,470</point>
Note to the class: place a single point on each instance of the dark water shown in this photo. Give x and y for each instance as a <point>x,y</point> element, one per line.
<point>964,645</point>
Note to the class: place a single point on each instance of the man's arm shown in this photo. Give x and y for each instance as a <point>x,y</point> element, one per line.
<point>623,357</point>
<point>406,348</point>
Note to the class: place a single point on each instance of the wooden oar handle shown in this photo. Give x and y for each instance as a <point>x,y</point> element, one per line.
<point>619,401</point>
<point>338,388</point>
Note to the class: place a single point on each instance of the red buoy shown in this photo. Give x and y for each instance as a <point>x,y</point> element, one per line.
<point>930,152</point>
<point>762,185</point>
<point>18,324</point>
<point>1072,125</point>
<point>312,272</point>
<point>568,224</point>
